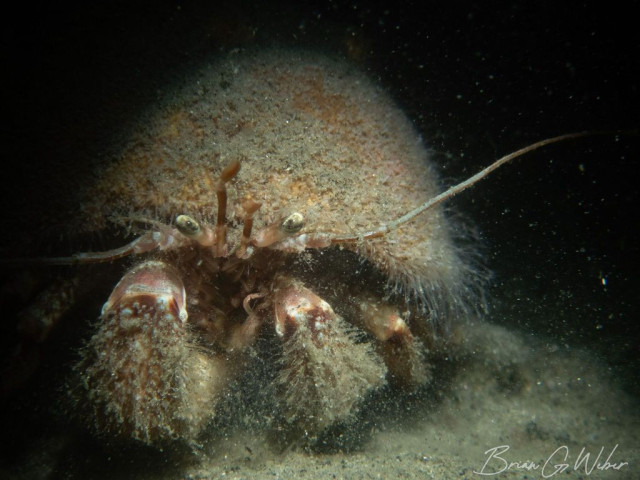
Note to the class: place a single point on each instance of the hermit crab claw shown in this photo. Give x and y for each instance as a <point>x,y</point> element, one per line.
<point>154,289</point>
<point>324,369</point>
<point>146,381</point>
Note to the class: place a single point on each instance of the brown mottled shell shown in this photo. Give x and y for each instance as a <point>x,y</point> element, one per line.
<point>315,136</point>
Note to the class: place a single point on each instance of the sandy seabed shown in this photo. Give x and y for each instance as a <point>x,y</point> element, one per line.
<point>540,416</point>
<point>556,412</point>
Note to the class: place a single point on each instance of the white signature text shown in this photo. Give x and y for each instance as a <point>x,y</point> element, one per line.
<point>558,462</point>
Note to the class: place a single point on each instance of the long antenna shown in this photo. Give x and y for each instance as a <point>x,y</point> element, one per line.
<point>454,190</point>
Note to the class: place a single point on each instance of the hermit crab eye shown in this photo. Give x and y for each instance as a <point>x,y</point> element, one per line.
<point>187,225</point>
<point>293,223</point>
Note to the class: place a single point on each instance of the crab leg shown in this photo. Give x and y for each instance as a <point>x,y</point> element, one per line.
<point>401,351</point>
<point>143,378</point>
<point>324,369</point>
<point>34,325</point>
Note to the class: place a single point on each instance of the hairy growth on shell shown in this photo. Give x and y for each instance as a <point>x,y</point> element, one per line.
<point>315,137</point>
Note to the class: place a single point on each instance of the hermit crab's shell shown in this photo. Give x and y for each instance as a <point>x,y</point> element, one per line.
<point>314,135</point>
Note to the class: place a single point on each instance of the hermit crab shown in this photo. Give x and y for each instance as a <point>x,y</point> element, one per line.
<point>277,196</point>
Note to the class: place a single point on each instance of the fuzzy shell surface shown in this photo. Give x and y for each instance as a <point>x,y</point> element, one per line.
<point>314,135</point>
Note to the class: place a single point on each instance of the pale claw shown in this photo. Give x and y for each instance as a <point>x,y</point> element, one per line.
<point>143,378</point>
<point>402,352</point>
<point>325,372</point>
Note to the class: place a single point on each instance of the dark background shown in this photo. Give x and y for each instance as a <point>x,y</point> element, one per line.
<point>478,80</point>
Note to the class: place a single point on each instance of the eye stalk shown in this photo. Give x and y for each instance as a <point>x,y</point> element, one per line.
<point>293,223</point>
<point>188,226</point>
<point>279,230</point>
